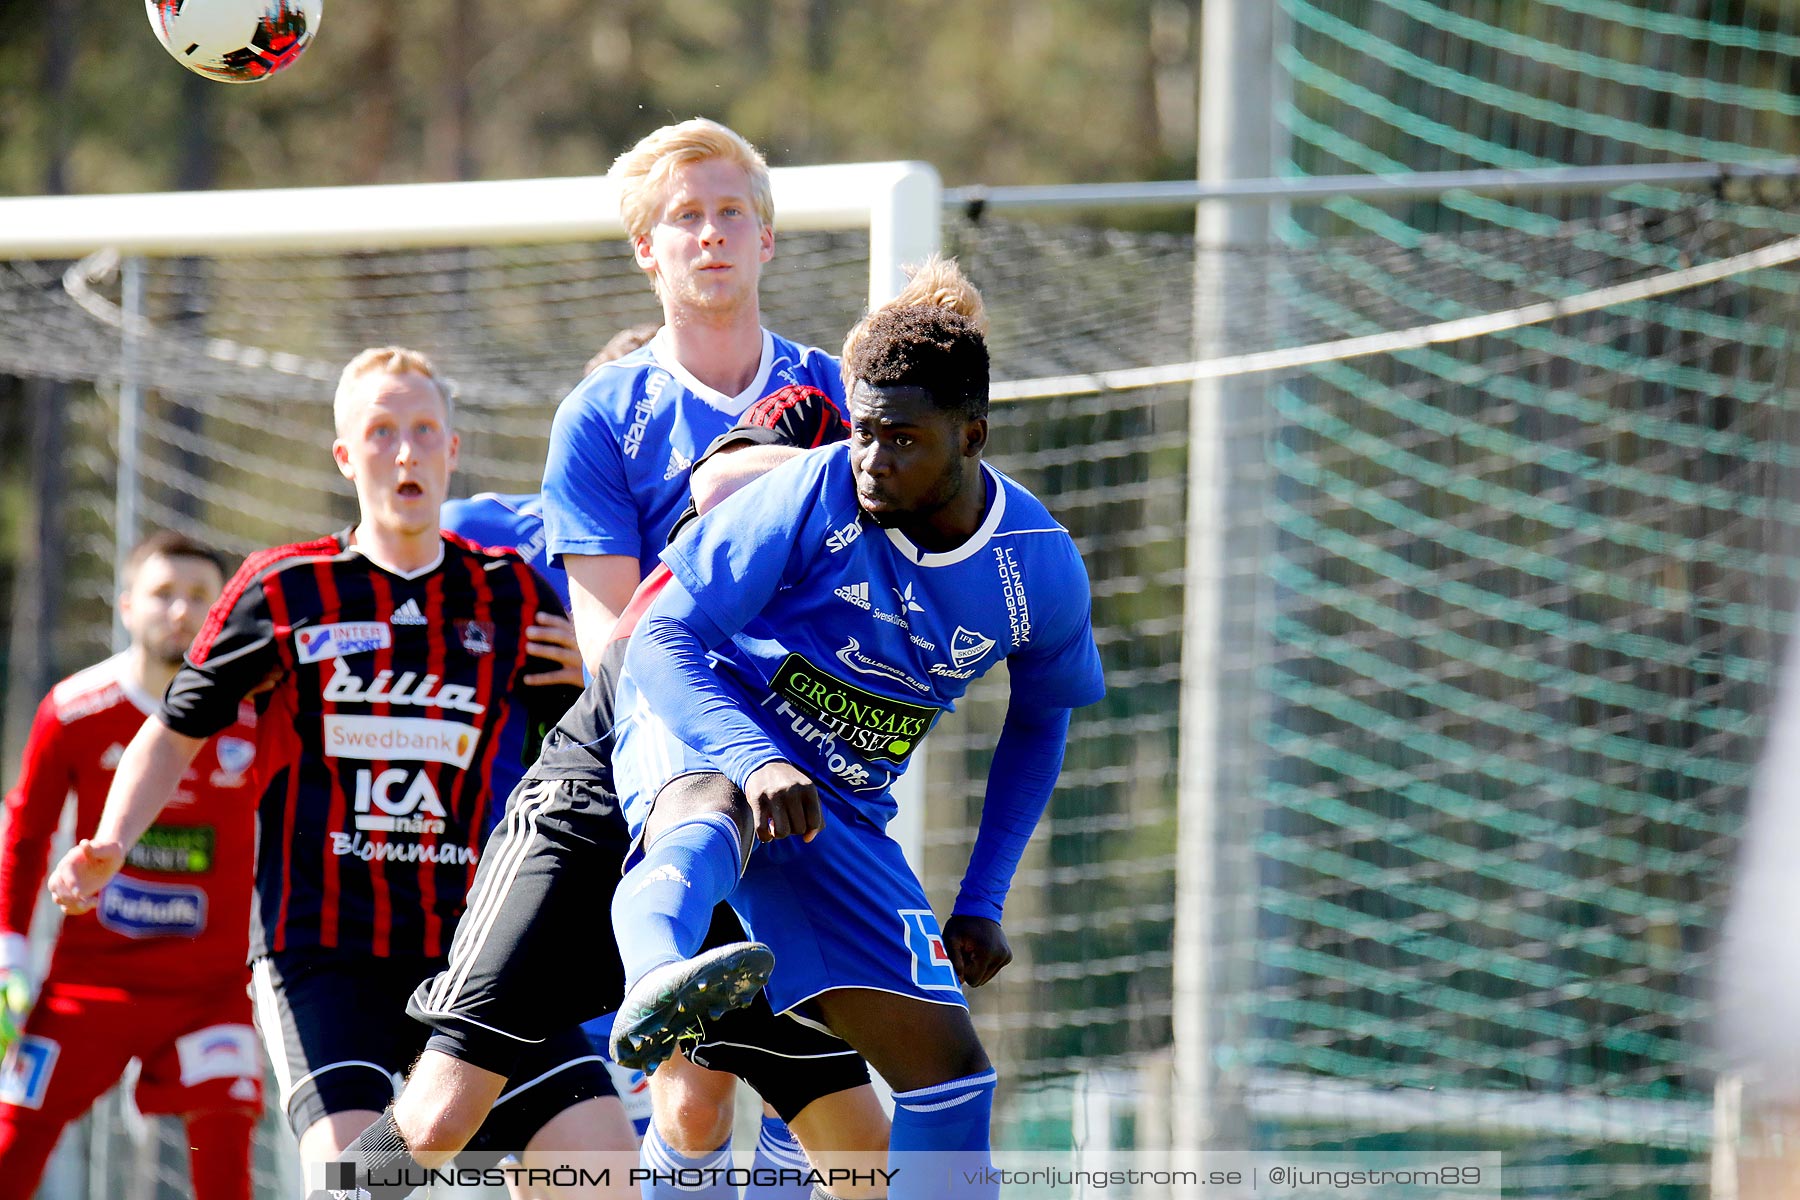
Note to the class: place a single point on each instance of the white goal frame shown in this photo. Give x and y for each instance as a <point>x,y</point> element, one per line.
<point>899,203</point>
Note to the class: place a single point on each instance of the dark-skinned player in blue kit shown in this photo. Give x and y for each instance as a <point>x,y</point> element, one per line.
<point>814,628</point>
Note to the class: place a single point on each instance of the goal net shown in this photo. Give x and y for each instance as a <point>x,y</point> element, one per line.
<point>1501,607</point>
<point>1500,621</point>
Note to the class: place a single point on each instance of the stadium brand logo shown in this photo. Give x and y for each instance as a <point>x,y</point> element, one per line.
<point>345,637</point>
<point>1012,590</point>
<point>855,593</point>
<point>417,810</point>
<point>654,384</point>
<point>137,908</point>
<point>174,850</point>
<point>402,739</point>
<point>409,614</point>
<point>477,636</point>
<point>874,727</point>
<point>853,657</point>
<point>843,539</point>
<point>678,462</point>
<point>347,687</point>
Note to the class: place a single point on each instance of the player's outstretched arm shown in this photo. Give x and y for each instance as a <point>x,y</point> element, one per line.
<point>666,659</point>
<point>148,774</point>
<point>1027,759</point>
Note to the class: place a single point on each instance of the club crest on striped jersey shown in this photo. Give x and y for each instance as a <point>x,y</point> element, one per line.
<point>477,636</point>
<point>319,642</point>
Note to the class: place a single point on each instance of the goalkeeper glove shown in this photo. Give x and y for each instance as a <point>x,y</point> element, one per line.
<point>15,1006</point>
<point>15,987</point>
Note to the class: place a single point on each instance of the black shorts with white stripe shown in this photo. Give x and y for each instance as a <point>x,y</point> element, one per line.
<point>788,1062</point>
<point>338,1037</point>
<point>534,956</point>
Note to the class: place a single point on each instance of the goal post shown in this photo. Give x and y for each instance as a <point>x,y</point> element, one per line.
<point>897,202</point>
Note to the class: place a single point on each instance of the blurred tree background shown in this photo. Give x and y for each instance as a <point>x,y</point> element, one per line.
<point>1005,91</point>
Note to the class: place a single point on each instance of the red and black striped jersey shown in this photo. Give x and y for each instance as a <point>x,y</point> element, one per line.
<point>392,696</point>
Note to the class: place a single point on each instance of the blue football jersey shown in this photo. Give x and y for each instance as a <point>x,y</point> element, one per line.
<point>490,519</point>
<point>851,641</point>
<point>517,522</point>
<point>623,441</point>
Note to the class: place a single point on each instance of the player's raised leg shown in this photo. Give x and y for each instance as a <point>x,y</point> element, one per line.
<point>696,837</point>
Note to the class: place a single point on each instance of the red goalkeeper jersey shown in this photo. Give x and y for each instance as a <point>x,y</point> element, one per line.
<point>178,916</point>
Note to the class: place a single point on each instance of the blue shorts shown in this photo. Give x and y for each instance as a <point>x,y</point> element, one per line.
<point>842,911</point>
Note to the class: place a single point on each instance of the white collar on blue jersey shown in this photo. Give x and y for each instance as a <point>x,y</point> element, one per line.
<point>662,349</point>
<point>978,539</point>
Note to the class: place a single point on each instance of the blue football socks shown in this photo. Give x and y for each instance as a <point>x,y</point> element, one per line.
<point>664,905</point>
<point>674,1176</point>
<point>777,1153</point>
<point>950,1120</point>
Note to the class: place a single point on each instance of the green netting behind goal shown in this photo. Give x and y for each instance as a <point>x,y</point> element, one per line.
<point>1523,600</point>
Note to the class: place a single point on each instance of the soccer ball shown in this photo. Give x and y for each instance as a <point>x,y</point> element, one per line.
<point>235,41</point>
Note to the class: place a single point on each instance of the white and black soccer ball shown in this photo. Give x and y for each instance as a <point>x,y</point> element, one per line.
<point>235,41</point>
